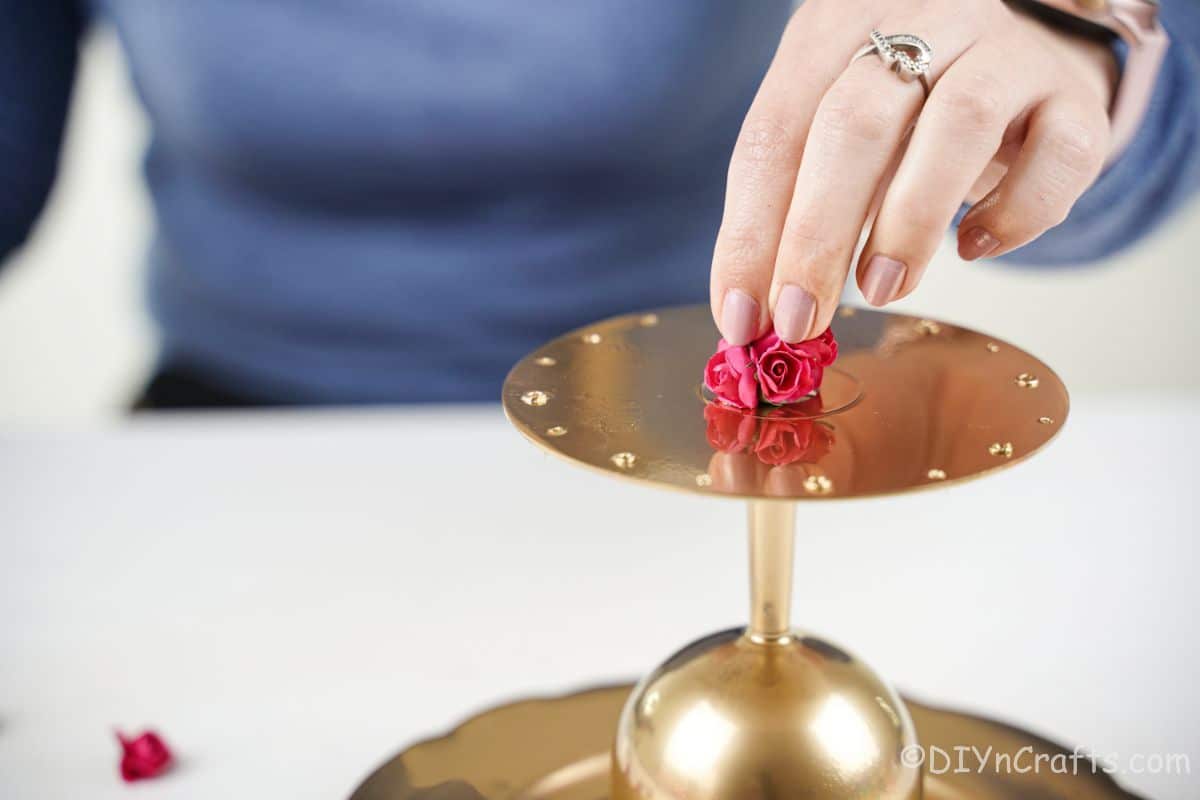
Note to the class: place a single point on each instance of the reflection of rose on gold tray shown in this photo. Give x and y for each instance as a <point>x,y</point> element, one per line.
<point>778,438</point>
<point>768,450</point>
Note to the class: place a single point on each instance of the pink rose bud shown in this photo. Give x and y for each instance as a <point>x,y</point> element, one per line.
<point>144,756</point>
<point>730,375</point>
<point>769,370</point>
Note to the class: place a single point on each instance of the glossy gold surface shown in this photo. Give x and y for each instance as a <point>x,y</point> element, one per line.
<point>734,717</point>
<point>911,403</point>
<point>772,529</point>
<point>558,749</point>
<point>766,712</point>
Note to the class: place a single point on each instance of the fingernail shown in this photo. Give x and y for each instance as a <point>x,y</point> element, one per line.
<point>794,312</point>
<point>882,280</point>
<point>977,243</point>
<point>739,317</point>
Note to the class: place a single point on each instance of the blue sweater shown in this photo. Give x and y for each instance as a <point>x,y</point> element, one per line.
<point>378,201</point>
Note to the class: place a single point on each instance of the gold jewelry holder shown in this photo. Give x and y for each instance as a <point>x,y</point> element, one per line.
<point>768,711</point>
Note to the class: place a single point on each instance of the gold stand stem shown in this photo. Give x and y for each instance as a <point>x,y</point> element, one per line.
<point>772,545</point>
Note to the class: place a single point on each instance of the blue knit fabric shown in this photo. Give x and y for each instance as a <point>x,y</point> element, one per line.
<point>372,201</point>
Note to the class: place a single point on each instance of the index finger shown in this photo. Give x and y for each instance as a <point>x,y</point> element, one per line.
<point>762,171</point>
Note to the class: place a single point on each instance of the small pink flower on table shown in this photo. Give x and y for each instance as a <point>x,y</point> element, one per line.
<point>769,370</point>
<point>143,756</point>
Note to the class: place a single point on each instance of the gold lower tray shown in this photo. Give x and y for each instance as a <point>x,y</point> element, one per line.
<point>558,749</point>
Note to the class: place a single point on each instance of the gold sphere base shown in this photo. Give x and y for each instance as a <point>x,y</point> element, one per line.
<point>559,748</point>
<point>735,716</point>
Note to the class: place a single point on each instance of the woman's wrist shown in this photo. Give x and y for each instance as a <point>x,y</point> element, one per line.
<point>1132,25</point>
<point>1095,58</point>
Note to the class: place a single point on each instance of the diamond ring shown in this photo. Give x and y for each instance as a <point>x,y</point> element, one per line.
<point>909,56</point>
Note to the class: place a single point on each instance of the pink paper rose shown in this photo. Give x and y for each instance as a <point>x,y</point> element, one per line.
<point>143,756</point>
<point>730,375</point>
<point>784,375</point>
<point>823,349</point>
<point>769,369</point>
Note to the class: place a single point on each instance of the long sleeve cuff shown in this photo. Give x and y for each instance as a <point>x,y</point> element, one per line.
<point>1157,173</point>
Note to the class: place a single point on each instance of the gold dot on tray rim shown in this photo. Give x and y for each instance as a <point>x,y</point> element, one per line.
<point>992,347</point>
<point>624,460</point>
<point>649,320</point>
<point>545,361</point>
<point>1027,380</point>
<point>704,480</point>
<point>936,474</point>
<point>1046,420</point>
<point>556,431</point>
<point>928,327</point>
<point>535,398</point>
<point>818,484</point>
<point>1001,449</point>
<point>592,338</point>
<point>847,311</point>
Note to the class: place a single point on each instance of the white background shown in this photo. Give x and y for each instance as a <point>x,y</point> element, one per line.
<point>291,597</point>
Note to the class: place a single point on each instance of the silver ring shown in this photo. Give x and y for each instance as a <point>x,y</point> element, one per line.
<point>907,55</point>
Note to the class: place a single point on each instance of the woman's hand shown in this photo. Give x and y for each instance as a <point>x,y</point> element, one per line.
<point>1017,116</point>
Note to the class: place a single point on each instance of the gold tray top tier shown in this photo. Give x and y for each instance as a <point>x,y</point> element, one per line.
<point>910,403</point>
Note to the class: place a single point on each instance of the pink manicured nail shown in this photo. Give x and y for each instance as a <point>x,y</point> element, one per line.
<point>739,317</point>
<point>977,243</point>
<point>883,279</point>
<point>795,310</point>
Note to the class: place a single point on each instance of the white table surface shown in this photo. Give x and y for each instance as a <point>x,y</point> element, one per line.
<point>290,597</point>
